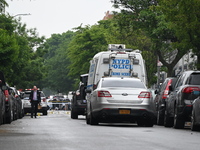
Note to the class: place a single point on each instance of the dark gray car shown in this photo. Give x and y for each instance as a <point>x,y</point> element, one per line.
<point>179,103</point>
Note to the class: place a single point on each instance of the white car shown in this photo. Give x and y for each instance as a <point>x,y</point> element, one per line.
<point>120,100</point>
<point>27,104</point>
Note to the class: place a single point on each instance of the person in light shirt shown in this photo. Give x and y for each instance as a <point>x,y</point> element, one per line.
<point>35,99</point>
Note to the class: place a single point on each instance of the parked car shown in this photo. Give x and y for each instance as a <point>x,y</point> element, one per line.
<point>120,100</point>
<point>180,100</point>
<point>18,103</point>
<point>161,95</point>
<point>195,118</point>
<point>27,104</point>
<point>2,103</point>
<point>78,102</point>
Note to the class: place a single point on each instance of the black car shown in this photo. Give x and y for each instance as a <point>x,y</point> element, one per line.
<point>8,105</point>
<point>180,100</point>
<point>161,95</point>
<point>18,104</point>
<point>2,104</point>
<point>78,102</point>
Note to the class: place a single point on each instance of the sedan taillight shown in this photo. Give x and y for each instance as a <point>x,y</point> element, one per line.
<point>144,95</point>
<point>190,89</point>
<point>104,94</point>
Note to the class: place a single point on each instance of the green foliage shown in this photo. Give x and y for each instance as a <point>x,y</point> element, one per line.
<point>57,62</point>
<point>87,42</point>
<point>20,60</point>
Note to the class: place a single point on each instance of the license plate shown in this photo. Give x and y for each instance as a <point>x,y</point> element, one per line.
<point>122,111</point>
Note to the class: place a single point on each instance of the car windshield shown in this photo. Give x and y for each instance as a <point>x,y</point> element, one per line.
<point>194,79</point>
<point>123,83</point>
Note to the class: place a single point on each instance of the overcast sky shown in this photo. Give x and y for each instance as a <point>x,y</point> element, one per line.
<point>58,16</point>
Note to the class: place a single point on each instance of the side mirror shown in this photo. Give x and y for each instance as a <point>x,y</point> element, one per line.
<point>88,90</point>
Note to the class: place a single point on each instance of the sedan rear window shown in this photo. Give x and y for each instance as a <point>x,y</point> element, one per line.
<point>123,83</point>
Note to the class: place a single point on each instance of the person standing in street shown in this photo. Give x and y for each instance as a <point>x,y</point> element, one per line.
<point>35,99</point>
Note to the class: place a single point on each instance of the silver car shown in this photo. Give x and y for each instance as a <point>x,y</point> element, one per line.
<point>27,104</point>
<point>120,100</point>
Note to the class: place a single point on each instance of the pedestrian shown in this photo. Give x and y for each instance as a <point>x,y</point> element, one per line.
<point>35,99</point>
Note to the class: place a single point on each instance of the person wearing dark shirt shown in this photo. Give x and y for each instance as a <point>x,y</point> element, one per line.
<point>35,99</point>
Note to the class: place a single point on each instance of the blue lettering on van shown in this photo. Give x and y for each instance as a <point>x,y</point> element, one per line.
<point>121,64</point>
<point>92,68</point>
<point>121,61</point>
<point>116,73</point>
<point>126,74</point>
<point>118,66</point>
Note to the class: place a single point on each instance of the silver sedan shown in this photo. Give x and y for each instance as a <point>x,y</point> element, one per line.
<point>120,100</point>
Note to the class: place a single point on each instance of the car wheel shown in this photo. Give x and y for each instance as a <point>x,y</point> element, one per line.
<point>9,117</point>
<point>93,121</point>
<point>168,121</point>
<point>160,118</point>
<point>193,126</point>
<point>178,122</point>
<point>149,123</point>
<point>87,119</point>
<point>140,122</point>
<point>73,114</point>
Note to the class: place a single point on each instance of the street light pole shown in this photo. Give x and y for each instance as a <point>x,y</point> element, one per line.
<point>21,15</point>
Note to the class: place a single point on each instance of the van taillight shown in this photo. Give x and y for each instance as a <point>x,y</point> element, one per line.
<point>190,89</point>
<point>104,94</point>
<point>144,95</point>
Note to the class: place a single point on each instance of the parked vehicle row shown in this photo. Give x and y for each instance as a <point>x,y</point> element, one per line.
<point>177,102</point>
<point>11,107</point>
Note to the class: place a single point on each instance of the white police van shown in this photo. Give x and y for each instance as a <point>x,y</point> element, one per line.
<point>116,62</point>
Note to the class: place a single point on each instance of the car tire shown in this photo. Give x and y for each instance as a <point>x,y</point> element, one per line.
<point>168,121</point>
<point>93,121</point>
<point>193,126</point>
<point>87,118</point>
<point>179,123</point>
<point>160,118</point>
<point>9,117</point>
<point>74,115</point>
<point>149,123</point>
<point>140,122</point>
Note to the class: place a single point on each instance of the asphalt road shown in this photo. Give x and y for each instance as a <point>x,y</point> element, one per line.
<point>57,131</point>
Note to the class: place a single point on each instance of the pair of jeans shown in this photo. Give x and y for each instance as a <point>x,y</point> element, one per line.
<point>34,108</point>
